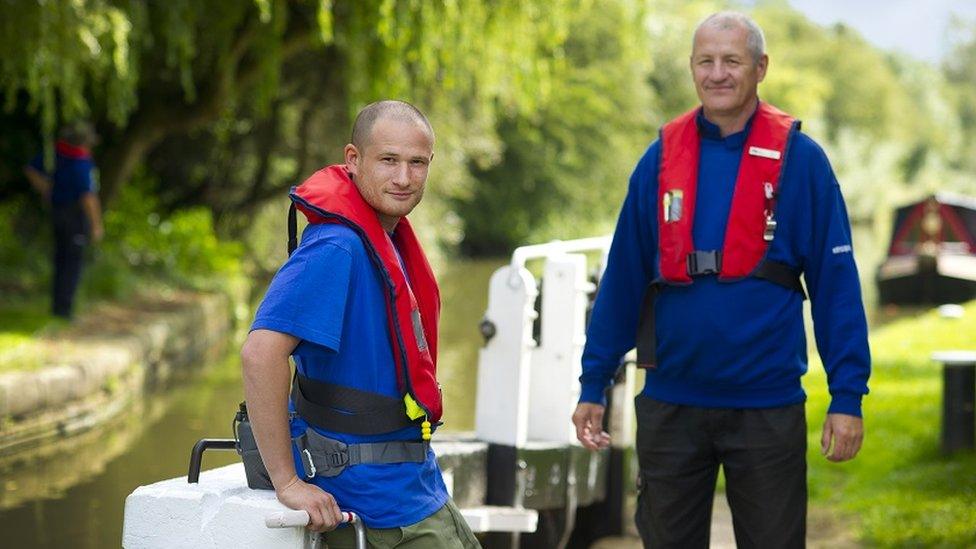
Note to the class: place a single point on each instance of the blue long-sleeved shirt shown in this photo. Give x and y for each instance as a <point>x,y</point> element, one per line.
<point>735,344</point>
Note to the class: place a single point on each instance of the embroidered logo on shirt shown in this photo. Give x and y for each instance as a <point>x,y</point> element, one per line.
<point>845,249</point>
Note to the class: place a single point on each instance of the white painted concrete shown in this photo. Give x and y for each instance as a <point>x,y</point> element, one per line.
<point>219,512</point>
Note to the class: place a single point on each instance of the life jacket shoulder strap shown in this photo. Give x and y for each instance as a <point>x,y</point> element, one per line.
<point>292,228</point>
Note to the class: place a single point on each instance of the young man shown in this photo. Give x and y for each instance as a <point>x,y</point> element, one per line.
<point>723,214</point>
<point>356,305</point>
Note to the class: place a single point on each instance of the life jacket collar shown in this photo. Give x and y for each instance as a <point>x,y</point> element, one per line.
<point>68,150</point>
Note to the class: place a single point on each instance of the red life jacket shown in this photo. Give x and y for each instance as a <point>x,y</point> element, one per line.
<point>68,150</point>
<point>753,200</point>
<point>750,225</point>
<point>330,196</point>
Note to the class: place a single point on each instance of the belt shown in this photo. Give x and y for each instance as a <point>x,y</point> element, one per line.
<point>327,457</point>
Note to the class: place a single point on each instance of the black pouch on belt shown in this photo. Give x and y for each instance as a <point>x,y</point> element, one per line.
<point>257,475</point>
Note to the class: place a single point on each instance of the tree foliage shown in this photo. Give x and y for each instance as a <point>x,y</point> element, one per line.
<point>150,71</point>
<point>541,108</point>
<point>563,169</point>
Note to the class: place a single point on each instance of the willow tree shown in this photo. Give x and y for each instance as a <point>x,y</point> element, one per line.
<point>148,72</point>
<point>563,168</point>
<point>960,70</point>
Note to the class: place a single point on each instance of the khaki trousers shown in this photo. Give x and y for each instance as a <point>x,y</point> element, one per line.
<point>444,529</point>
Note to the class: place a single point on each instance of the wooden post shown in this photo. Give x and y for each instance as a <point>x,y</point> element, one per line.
<point>958,399</point>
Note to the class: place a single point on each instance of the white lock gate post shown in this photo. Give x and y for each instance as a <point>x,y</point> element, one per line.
<point>554,387</point>
<point>501,413</point>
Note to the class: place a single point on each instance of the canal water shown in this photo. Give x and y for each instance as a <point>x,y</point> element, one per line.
<point>76,499</point>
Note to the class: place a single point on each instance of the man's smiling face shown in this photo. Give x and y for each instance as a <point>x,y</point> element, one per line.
<point>725,72</point>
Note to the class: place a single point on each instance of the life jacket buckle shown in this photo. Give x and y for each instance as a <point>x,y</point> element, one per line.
<point>338,459</point>
<point>704,262</point>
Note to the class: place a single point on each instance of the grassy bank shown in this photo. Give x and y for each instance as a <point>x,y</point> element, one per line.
<point>900,490</point>
<point>145,257</point>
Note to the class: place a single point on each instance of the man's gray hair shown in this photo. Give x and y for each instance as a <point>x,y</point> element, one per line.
<point>756,41</point>
<point>390,108</point>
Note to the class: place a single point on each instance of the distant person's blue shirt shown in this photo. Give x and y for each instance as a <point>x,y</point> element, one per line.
<point>72,177</point>
<point>330,296</point>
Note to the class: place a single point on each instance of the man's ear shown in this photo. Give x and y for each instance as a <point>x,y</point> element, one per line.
<point>351,154</point>
<point>762,66</point>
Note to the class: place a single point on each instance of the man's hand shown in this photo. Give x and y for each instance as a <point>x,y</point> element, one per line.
<point>846,432</point>
<point>323,511</point>
<point>588,419</point>
<point>40,181</point>
<point>97,232</point>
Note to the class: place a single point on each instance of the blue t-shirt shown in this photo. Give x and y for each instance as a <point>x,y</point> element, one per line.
<point>735,344</point>
<point>72,177</point>
<point>330,296</point>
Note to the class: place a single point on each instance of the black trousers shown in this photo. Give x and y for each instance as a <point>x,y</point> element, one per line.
<point>70,239</point>
<point>763,455</point>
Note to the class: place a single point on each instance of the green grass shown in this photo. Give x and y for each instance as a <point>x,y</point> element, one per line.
<point>22,321</point>
<point>901,491</point>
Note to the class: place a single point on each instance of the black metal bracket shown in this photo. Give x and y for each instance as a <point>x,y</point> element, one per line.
<point>196,455</point>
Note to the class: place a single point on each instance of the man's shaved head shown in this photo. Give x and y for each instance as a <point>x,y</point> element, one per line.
<point>402,111</point>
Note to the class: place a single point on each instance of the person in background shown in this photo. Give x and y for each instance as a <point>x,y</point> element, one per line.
<point>71,190</point>
<point>725,212</point>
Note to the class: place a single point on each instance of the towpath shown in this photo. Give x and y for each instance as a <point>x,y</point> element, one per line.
<point>823,531</point>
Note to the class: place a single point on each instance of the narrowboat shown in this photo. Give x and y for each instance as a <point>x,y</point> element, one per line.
<point>932,256</point>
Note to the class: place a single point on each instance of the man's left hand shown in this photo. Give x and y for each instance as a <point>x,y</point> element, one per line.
<point>846,432</point>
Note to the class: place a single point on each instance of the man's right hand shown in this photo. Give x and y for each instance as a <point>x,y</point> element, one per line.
<point>588,419</point>
<point>97,232</point>
<point>323,511</point>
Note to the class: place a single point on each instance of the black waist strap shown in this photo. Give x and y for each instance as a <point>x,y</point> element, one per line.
<point>646,338</point>
<point>347,410</point>
<point>327,457</point>
<point>780,273</point>
<point>701,263</point>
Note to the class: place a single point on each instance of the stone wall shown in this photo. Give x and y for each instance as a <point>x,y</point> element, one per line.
<point>95,368</point>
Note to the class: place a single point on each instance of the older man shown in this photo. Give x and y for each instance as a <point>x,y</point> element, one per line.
<point>724,213</point>
<point>356,305</point>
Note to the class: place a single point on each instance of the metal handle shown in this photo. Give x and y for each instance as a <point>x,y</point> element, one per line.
<point>292,518</point>
<point>196,454</point>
